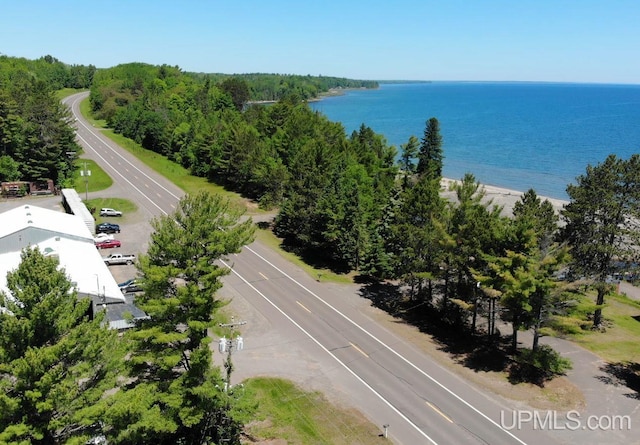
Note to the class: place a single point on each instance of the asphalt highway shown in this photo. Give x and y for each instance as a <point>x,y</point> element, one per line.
<point>384,377</point>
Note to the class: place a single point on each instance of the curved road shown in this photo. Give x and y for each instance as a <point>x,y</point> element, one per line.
<point>385,378</point>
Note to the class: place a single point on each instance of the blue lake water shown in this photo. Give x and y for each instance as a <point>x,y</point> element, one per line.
<point>508,134</point>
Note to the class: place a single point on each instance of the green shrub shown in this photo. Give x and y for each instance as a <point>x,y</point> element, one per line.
<point>538,366</point>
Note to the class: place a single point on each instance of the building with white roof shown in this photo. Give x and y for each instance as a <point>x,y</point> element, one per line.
<point>67,238</point>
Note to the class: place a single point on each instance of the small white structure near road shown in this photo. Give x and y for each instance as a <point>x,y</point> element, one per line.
<point>64,236</point>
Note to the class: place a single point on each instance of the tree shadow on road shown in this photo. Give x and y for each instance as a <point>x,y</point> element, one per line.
<point>623,374</point>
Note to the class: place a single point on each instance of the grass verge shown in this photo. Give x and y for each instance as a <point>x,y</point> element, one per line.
<point>124,205</point>
<point>267,237</point>
<point>61,94</point>
<point>177,174</point>
<point>293,415</point>
<point>98,180</point>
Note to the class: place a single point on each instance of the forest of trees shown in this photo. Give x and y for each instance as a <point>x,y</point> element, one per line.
<point>350,202</point>
<point>274,87</point>
<point>36,140</point>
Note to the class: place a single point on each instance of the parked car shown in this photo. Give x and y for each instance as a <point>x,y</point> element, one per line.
<point>119,258</point>
<point>129,286</point>
<point>102,237</point>
<point>108,244</point>
<point>107,228</point>
<point>106,211</point>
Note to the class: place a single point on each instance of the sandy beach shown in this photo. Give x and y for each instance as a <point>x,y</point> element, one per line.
<point>501,196</point>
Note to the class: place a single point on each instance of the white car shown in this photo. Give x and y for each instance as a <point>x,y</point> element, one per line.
<point>110,212</point>
<point>103,237</point>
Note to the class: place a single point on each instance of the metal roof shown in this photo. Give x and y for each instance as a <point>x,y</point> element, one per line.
<point>61,235</point>
<point>32,216</point>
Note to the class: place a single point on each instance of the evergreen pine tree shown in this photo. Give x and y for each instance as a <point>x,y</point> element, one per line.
<point>430,157</point>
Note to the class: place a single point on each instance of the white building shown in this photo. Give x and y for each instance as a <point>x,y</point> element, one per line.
<point>68,239</point>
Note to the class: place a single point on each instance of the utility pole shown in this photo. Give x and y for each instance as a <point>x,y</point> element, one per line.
<point>227,345</point>
<point>85,173</point>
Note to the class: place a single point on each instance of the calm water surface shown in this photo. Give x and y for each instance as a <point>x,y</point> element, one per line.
<point>513,135</point>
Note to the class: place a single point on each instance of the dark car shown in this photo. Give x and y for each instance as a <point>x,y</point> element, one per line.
<point>107,228</point>
<point>129,286</point>
<point>108,244</point>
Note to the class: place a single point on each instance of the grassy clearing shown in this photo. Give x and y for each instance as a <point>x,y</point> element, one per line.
<point>99,179</point>
<point>288,413</point>
<point>124,205</point>
<point>618,342</point>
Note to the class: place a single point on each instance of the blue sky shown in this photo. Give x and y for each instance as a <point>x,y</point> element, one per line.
<point>520,40</point>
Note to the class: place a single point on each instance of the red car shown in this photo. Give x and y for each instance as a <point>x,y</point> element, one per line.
<point>108,244</point>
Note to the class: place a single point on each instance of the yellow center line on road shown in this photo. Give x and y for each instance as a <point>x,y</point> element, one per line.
<point>358,349</point>
<point>439,412</point>
<point>302,306</point>
<point>263,275</point>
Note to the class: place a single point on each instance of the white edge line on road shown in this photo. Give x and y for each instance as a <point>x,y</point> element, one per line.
<point>76,99</point>
<point>330,353</point>
<point>388,348</point>
<point>120,174</point>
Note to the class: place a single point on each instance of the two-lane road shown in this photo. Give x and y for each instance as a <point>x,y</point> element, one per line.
<point>384,377</point>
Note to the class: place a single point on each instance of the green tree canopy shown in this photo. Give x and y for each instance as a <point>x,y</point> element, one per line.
<point>430,157</point>
<point>238,89</point>
<point>601,221</point>
<point>55,362</point>
<point>35,129</point>
<point>408,154</point>
<point>175,394</point>
<point>538,215</point>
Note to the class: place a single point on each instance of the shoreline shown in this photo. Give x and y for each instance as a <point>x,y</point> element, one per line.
<point>332,92</point>
<point>502,196</point>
